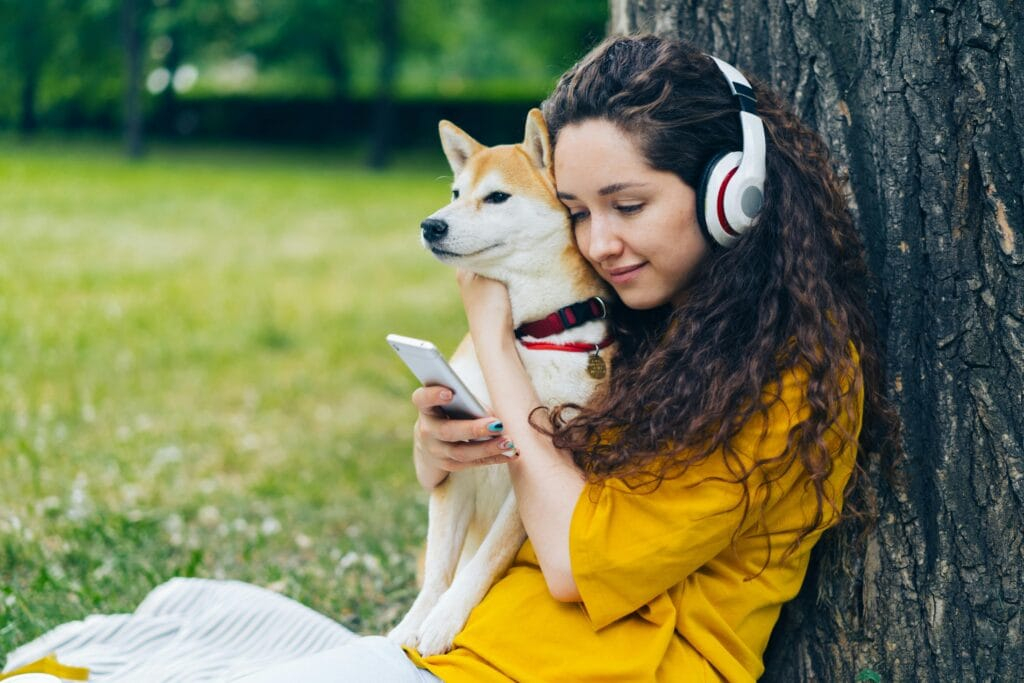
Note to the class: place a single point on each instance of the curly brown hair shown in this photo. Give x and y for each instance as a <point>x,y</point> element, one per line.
<point>792,293</point>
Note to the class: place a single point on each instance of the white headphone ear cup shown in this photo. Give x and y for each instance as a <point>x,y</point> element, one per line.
<point>710,193</point>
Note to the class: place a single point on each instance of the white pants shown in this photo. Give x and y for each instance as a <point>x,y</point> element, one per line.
<point>369,659</point>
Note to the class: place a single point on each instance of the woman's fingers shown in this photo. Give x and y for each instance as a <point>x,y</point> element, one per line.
<point>493,452</point>
<point>426,398</point>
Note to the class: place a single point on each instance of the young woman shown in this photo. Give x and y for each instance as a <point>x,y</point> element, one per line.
<point>671,518</point>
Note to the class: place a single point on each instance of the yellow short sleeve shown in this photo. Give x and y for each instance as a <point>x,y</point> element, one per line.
<point>628,547</point>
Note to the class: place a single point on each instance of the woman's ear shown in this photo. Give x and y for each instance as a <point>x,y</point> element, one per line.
<point>537,142</point>
<point>458,146</point>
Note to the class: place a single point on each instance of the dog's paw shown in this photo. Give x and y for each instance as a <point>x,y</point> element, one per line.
<point>440,628</point>
<point>406,634</point>
<point>438,639</point>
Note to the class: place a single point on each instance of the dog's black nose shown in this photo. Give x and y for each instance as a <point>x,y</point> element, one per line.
<point>433,229</point>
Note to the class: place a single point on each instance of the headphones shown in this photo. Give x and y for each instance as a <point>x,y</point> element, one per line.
<point>732,187</point>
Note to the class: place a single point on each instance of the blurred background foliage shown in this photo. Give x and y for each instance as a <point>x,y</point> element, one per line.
<point>376,71</point>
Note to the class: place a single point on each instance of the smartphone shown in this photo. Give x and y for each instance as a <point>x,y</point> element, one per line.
<point>431,368</point>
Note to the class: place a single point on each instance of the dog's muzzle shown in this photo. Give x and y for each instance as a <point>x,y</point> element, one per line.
<point>433,229</point>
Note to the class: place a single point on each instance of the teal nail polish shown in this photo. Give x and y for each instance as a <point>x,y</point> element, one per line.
<point>507,445</point>
<point>495,426</point>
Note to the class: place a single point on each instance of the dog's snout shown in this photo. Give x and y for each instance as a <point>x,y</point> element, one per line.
<point>433,229</point>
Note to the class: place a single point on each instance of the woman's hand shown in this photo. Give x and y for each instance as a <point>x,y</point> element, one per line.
<point>442,445</point>
<point>488,308</point>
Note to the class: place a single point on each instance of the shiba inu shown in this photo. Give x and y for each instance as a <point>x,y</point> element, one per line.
<point>504,222</point>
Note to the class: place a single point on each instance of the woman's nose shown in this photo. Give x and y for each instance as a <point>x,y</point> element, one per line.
<point>604,243</point>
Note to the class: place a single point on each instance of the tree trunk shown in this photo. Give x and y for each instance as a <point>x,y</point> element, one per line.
<point>384,108</point>
<point>922,105</point>
<point>131,33</point>
<point>27,121</point>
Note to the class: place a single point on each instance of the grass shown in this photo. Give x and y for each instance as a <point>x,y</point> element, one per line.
<point>194,382</point>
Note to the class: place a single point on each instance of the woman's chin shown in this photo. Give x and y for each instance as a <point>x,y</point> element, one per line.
<point>641,301</point>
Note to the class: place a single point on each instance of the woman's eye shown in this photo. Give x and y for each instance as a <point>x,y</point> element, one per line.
<point>455,194</point>
<point>629,208</point>
<point>577,216</point>
<point>496,197</point>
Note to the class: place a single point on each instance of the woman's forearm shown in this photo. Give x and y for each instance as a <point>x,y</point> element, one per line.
<point>546,481</point>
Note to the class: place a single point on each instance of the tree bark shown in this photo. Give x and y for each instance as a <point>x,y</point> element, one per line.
<point>922,105</point>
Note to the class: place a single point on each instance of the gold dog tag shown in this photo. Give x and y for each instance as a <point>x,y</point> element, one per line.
<point>596,367</point>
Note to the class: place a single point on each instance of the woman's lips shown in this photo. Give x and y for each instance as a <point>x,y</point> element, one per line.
<point>620,275</point>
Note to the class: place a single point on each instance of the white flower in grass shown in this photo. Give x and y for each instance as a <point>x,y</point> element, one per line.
<point>79,505</point>
<point>270,526</point>
<point>208,515</point>
<point>10,600</point>
<point>239,525</point>
<point>165,455</point>
<point>368,562</point>
<point>249,442</point>
<point>173,527</point>
<point>104,570</point>
<point>371,563</point>
<point>303,541</point>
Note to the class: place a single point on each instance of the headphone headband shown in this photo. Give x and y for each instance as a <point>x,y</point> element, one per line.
<point>732,188</point>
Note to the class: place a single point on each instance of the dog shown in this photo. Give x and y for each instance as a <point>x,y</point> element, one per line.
<point>504,222</point>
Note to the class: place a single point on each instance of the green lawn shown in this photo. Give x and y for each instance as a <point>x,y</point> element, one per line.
<point>194,379</point>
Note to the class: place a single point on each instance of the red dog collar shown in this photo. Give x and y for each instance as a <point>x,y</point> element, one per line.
<point>563,319</point>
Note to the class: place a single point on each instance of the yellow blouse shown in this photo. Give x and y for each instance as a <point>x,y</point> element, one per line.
<point>666,595</point>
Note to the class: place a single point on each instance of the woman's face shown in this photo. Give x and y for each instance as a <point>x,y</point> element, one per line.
<point>637,226</point>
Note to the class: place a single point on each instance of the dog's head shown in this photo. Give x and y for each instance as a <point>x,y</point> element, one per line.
<point>504,215</point>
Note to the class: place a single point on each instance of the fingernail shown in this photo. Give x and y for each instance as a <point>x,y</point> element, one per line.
<point>510,453</point>
<point>446,395</point>
<point>495,426</point>
<point>507,445</point>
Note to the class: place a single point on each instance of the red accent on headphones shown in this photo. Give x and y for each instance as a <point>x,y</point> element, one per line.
<point>721,204</point>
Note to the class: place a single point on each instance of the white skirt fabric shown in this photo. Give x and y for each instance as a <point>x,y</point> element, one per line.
<point>195,630</point>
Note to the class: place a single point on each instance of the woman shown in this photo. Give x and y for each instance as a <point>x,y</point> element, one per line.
<point>669,520</point>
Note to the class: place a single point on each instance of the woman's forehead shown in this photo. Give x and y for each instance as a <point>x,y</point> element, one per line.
<point>595,155</point>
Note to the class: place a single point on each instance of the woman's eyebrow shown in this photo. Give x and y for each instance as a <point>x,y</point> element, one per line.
<point>617,187</point>
<point>609,189</point>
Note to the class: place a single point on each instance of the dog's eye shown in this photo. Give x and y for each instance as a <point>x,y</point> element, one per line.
<point>455,194</point>
<point>496,197</point>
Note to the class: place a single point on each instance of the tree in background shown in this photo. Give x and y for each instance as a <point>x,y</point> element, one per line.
<point>27,42</point>
<point>132,36</point>
<point>922,106</point>
<point>389,41</point>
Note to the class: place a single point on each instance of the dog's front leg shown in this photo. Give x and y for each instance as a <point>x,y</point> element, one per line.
<point>450,511</point>
<point>501,544</point>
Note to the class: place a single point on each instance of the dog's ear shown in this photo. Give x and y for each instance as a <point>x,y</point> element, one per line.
<point>537,142</point>
<point>458,146</point>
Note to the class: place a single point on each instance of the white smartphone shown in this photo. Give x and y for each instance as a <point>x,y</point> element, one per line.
<point>431,368</point>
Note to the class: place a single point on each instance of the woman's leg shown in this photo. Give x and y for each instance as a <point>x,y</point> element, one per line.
<point>369,659</point>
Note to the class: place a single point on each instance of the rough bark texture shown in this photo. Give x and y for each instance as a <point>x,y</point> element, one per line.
<point>922,105</point>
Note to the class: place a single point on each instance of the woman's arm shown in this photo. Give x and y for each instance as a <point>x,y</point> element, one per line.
<point>546,481</point>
